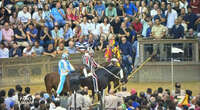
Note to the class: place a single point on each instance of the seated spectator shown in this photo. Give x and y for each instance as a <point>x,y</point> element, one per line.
<point>68,33</point>
<point>190,18</point>
<point>116,23</point>
<point>124,32</point>
<point>143,9</point>
<point>111,11</point>
<point>20,36</point>
<point>177,30</point>
<point>24,16</point>
<point>10,98</point>
<point>37,17</point>
<point>195,6</point>
<point>137,25</point>
<point>101,44</point>
<point>4,15</point>
<point>31,33</point>
<point>127,55</point>
<point>99,8</point>
<point>91,41</point>
<point>153,11</point>
<point>71,48</point>
<point>15,51</point>
<point>95,27</point>
<point>7,33</point>
<point>45,37</point>
<point>4,52</point>
<point>77,31</point>
<point>120,11</point>
<point>1,36</point>
<point>81,45</point>
<point>61,48</point>
<point>105,27</point>
<point>85,27</point>
<point>130,9</point>
<point>190,34</point>
<point>71,13</point>
<point>28,51</point>
<point>13,18</point>
<point>90,10</point>
<point>57,35</point>
<point>81,9</point>
<point>38,50</point>
<point>58,14</point>
<point>161,16</point>
<point>46,16</point>
<point>50,50</point>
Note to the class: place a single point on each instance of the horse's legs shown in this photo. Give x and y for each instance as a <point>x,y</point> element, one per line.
<point>116,83</point>
<point>93,96</point>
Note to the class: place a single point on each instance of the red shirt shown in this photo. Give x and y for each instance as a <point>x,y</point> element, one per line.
<point>195,6</point>
<point>137,26</point>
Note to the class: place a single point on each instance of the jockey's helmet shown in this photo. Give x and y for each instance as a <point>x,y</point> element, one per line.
<point>90,50</point>
<point>65,56</point>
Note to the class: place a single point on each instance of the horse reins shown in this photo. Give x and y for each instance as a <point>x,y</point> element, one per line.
<point>110,72</point>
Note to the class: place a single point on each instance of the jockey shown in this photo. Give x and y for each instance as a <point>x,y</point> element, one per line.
<point>90,63</point>
<point>64,69</point>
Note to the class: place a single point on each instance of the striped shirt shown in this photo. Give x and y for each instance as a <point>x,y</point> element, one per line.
<point>82,45</point>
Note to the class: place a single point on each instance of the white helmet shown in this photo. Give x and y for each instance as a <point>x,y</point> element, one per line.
<point>90,50</point>
<point>65,56</point>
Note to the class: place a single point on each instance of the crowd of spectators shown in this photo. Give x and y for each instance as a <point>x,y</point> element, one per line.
<point>159,99</point>
<point>49,27</point>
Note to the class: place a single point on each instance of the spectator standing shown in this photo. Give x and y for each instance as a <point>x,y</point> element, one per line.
<point>79,101</point>
<point>87,100</point>
<point>153,12</point>
<point>7,33</point>
<point>127,55</point>
<point>161,16</point>
<point>171,15</point>
<point>111,101</point>
<point>38,50</point>
<point>15,51</point>
<point>58,14</point>
<point>4,52</point>
<point>58,107</point>
<point>31,33</point>
<point>10,99</point>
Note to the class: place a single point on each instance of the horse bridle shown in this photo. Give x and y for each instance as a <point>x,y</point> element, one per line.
<point>110,72</point>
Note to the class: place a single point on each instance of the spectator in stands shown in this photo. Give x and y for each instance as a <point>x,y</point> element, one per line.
<point>4,52</point>
<point>81,45</point>
<point>101,44</point>
<point>183,4</point>
<point>10,98</point>
<point>71,48</point>
<point>111,101</point>
<point>124,32</point>
<point>91,41</point>
<point>111,11</point>
<point>37,17</point>
<point>37,49</point>
<point>45,37</point>
<point>171,15</point>
<point>15,51</point>
<point>177,30</point>
<point>46,16</point>
<point>99,8</point>
<point>61,48</point>
<point>85,27</point>
<point>18,94</point>
<point>7,34</point>
<point>124,93</point>
<point>190,34</point>
<point>50,50</point>
<point>20,36</point>
<point>4,15</point>
<point>28,51</point>
<point>31,33</point>
<point>127,55</point>
<point>95,28</point>
<point>13,18</point>
<point>71,13</point>
<point>68,33</point>
<point>115,24</point>
<point>190,18</point>
<point>137,25</point>
<point>58,14</point>
<point>161,16</point>
<point>1,36</point>
<point>195,6</point>
<point>57,34</point>
<point>148,33</point>
<point>178,91</point>
<point>130,9</point>
<point>24,16</point>
<point>120,10</point>
<point>153,12</point>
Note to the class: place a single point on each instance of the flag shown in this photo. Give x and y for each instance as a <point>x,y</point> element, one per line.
<point>176,50</point>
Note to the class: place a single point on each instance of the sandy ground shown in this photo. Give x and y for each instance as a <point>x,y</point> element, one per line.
<point>194,86</point>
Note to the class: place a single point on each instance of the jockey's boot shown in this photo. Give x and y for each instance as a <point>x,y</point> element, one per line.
<point>85,72</point>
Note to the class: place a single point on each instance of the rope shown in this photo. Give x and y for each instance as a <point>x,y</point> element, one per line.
<point>110,72</point>
<point>133,73</point>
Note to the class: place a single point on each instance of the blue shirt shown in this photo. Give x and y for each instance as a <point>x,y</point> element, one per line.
<point>148,32</point>
<point>18,52</point>
<point>135,104</point>
<point>131,8</point>
<point>63,66</point>
<point>71,50</point>
<point>57,16</point>
<point>177,31</point>
<point>58,34</point>
<point>68,34</point>
<point>126,48</point>
<point>0,35</point>
<point>191,18</point>
<point>33,31</point>
<point>144,27</point>
<point>99,9</point>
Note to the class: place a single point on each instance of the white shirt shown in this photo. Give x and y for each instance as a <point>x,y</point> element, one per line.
<point>85,28</point>
<point>94,28</point>
<point>106,28</point>
<point>171,18</point>
<point>24,17</point>
<point>59,108</point>
<point>153,12</point>
<point>4,53</point>
<point>183,5</point>
<point>28,52</point>
<point>36,16</point>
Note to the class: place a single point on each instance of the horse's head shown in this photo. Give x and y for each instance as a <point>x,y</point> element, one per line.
<point>116,70</point>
